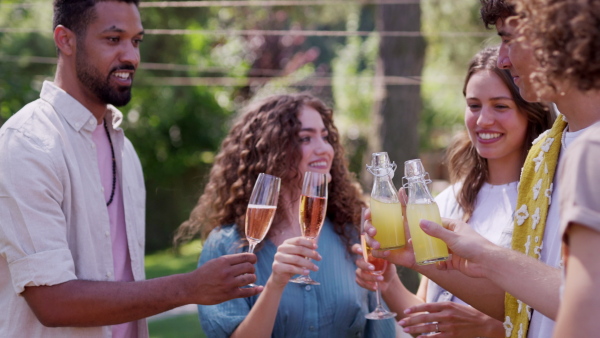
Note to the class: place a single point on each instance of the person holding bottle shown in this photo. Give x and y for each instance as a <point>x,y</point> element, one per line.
<point>566,37</point>
<point>286,136</point>
<point>484,164</point>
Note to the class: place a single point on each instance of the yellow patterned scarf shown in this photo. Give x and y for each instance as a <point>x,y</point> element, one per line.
<point>533,201</point>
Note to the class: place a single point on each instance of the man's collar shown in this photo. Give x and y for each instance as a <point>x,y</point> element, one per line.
<point>78,116</point>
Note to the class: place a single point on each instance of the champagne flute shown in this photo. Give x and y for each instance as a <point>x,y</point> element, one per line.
<point>313,206</point>
<point>261,210</point>
<point>380,264</point>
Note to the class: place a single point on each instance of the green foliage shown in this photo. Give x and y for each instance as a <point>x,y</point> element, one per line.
<point>355,58</point>
<point>168,261</point>
<point>20,79</point>
<point>181,326</point>
<point>446,62</point>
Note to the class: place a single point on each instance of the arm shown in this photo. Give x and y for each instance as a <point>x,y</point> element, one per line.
<point>35,243</point>
<point>528,279</point>
<point>90,303</point>
<point>480,293</point>
<point>581,300</point>
<point>290,260</point>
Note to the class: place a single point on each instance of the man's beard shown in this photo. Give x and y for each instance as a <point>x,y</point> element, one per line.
<point>98,85</point>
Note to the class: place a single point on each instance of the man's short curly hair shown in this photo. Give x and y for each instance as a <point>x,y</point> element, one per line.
<point>493,10</point>
<point>565,36</point>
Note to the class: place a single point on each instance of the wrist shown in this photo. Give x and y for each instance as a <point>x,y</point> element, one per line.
<point>182,288</point>
<point>494,328</point>
<point>275,285</point>
<point>488,259</point>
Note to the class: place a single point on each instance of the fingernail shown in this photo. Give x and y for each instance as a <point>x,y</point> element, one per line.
<point>305,272</point>
<point>371,267</point>
<point>401,323</point>
<point>424,224</point>
<point>407,311</point>
<point>316,267</point>
<point>405,329</point>
<point>379,278</point>
<point>319,255</point>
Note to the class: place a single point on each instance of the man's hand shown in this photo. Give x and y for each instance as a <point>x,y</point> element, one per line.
<point>221,279</point>
<point>468,248</point>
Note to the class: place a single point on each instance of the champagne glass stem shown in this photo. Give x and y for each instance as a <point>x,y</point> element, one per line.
<point>251,246</point>
<point>380,312</point>
<point>378,291</point>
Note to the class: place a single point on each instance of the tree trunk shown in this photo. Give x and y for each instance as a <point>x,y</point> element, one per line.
<point>397,107</point>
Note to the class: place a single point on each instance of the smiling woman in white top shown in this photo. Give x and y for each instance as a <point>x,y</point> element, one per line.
<point>484,164</point>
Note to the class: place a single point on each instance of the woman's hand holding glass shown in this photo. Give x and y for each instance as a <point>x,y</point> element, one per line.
<point>291,259</point>
<point>366,279</point>
<point>379,267</point>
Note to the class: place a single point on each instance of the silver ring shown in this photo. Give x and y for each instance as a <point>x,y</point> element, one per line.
<point>437,328</point>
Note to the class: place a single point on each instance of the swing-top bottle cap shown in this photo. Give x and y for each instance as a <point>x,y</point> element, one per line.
<point>414,168</point>
<point>380,165</point>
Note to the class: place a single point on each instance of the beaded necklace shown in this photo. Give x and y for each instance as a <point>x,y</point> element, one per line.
<point>114,166</point>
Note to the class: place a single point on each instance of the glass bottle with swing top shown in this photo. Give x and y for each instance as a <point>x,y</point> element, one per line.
<point>386,211</point>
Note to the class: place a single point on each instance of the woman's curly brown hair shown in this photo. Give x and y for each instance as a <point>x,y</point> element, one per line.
<point>265,140</point>
<point>565,36</point>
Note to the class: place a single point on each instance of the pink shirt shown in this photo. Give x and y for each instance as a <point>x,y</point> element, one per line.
<point>116,214</point>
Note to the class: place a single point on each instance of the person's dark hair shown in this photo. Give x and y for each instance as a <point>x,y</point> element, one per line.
<point>464,162</point>
<point>493,10</point>
<point>265,140</point>
<point>77,14</point>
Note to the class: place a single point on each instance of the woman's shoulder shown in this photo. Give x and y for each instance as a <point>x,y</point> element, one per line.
<point>448,203</point>
<point>224,232</point>
<point>222,240</point>
<point>449,193</point>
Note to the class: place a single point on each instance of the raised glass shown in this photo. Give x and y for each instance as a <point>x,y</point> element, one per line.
<point>313,207</point>
<point>261,209</point>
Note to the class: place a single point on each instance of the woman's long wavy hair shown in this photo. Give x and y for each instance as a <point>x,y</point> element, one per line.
<point>265,139</point>
<point>464,162</point>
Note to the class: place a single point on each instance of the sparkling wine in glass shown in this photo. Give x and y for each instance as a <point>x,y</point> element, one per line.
<point>380,264</point>
<point>261,209</point>
<point>313,206</point>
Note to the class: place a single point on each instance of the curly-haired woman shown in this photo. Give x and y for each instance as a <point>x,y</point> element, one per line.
<point>285,136</point>
<point>565,36</point>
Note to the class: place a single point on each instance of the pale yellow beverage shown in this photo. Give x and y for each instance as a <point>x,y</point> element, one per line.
<point>427,249</point>
<point>387,219</point>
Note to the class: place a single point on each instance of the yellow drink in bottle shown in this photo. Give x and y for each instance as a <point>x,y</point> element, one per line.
<point>387,219</point>
<point>427,249</point>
